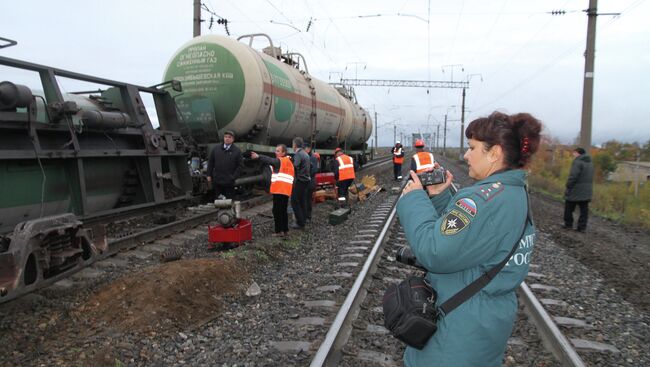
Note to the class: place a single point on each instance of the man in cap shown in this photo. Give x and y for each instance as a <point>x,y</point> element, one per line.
<point>422,160</point>
<point>224,166</point>
<point>398,159</point>
<point>343,167</point>
<point>579,188</point>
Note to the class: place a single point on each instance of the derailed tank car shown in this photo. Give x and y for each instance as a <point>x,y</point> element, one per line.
<point>265,98</point>
<point>65,158</point>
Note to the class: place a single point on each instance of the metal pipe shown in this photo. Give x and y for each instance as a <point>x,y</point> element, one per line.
<point>249,180</point>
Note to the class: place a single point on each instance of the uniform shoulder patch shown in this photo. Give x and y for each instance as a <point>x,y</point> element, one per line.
<point>467,205</point>
<point>490,191</point>
<point>454,222</point>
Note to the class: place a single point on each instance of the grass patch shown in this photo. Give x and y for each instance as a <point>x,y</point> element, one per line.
<point>291,243</point>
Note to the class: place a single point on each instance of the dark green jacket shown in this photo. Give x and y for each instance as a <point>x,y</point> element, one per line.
<point>581,178</point>
<point>458,239</point>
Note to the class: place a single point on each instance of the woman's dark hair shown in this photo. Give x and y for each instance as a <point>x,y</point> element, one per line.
<point>282,147</point>
<point>518,135</point>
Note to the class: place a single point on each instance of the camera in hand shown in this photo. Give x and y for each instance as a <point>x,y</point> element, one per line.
<point>405,256</point>
<point>437,176</point>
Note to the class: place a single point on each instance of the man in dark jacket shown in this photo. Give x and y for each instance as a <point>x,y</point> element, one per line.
<point>579,190</point>
<point>300,184</point>
<point>314,166</point>
<point>224,166</point>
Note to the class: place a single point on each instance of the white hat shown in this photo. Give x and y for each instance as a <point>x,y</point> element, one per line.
<point>397,142</point>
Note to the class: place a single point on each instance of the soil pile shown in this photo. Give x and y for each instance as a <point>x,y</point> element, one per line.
<point>170,296</point>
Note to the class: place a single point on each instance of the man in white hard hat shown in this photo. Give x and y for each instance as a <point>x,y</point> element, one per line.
<point>398,159</point>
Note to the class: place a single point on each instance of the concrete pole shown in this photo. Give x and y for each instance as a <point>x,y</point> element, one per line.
<point>376,141</point>
<point>588,85</point>
<point>197,18</point>
<point>462,127</point>
<point>438,137</point>
<point>444,140</point>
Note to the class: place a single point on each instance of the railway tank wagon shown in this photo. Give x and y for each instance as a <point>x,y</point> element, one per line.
<point>265,98</point>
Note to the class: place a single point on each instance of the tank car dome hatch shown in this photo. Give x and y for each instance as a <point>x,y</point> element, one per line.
<point>227,85</point>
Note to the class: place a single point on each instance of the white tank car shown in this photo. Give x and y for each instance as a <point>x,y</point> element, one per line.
<point>265,98</point>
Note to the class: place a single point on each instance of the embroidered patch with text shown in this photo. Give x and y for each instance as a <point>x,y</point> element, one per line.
<point>454,222</point>
<point>467,205</point>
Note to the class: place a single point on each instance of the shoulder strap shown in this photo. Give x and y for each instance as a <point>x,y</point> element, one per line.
<point>473,288</point>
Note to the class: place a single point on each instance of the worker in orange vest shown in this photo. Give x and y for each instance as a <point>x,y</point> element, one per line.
<point>422,160</point>
<point>343,168</point>
<point>281,185</point>
<point>398,159</point>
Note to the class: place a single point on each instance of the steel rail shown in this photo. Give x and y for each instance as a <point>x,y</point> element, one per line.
<point>337,334</point>
<point>553,338</point>
<point>377,162</point>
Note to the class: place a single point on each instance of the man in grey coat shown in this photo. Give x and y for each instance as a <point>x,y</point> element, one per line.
<point>579,190</point>
<point>301,168</point>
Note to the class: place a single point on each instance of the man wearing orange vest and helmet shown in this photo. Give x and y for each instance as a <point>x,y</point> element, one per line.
<point>422,161</point>
<point>281,185</point>
<point>343,168</point>
<point>398,159</point>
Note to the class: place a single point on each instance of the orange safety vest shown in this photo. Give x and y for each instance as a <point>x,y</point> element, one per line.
<point>282,181</point>
<point>346,167</point>
<point>423,161</point>
<point>396,159</point>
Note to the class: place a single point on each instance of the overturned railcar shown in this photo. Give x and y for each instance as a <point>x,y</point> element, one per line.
<point>65,158</point>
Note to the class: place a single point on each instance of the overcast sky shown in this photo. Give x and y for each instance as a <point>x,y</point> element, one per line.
<point>517,56</point>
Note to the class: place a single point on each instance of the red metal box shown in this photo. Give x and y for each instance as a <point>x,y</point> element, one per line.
<point>242,231</point>
<point>326,178</point>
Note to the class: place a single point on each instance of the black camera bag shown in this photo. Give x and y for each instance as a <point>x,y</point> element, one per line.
<point>410,311</point>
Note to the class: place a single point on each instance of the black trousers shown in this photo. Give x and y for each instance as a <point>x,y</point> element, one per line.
<point>280,216</point>
<point>299,201</point>
<point>397,170</point>
<point>569,207</point>
<point>310,193</point>
<point>227,191</point>
<point>343,188</point>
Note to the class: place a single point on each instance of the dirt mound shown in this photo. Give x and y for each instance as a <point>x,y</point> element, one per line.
<point>167,297</point>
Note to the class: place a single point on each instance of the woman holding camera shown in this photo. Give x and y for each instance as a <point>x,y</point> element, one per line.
<point>457,239</point>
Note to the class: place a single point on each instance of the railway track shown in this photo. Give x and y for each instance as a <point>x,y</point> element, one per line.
<point>357,336</point>
<point>301,288</point>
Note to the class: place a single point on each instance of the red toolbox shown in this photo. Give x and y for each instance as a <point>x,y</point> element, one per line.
<point>242,231</point>
<point>324,179</point>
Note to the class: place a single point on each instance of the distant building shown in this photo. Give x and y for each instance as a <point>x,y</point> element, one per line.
<point>628,171</point>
